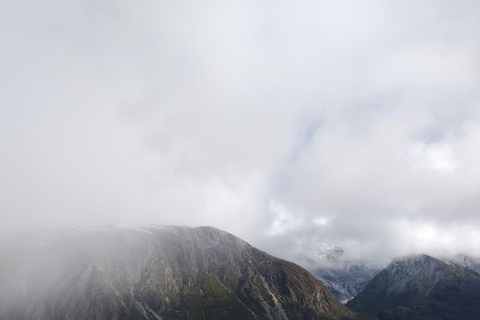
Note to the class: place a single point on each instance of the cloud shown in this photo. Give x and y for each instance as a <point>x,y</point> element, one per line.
<point>435,157</point>
<point>284,220</point>
<point>292,126</point>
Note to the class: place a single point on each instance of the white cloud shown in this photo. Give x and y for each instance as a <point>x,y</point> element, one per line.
<point>284,221</point>
<point>436,157</point>
<point>321,221</point>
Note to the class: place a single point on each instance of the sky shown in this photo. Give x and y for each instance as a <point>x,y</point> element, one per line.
<point>296,126</point>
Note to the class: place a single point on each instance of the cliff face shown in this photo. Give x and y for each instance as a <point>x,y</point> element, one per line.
<point>421,287</point>
<point>155,273</point>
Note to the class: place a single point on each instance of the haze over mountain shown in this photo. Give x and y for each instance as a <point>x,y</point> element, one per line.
<point>154,272</point>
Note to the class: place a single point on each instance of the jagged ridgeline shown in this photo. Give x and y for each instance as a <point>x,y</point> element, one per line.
<point>155,273</point>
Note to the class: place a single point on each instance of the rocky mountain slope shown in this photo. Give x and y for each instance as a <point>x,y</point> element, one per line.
<point>421,287</point>
<point>155,273</point>
<point>469,262</point>
<point>343,276</point>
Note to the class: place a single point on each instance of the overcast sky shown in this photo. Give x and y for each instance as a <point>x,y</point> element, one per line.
<point>293,124</point>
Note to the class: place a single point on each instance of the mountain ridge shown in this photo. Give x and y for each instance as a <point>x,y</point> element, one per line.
<point>156,272</point>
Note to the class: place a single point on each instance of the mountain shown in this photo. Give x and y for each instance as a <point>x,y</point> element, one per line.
<point>421,287</point>
<point>346,280</point>
<point>154,273</point>
<point>469,262</point>
<point>344,277</point>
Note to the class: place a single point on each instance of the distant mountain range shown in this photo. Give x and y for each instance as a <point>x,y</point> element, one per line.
<point>344,277</point>
<point>155,273</point>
